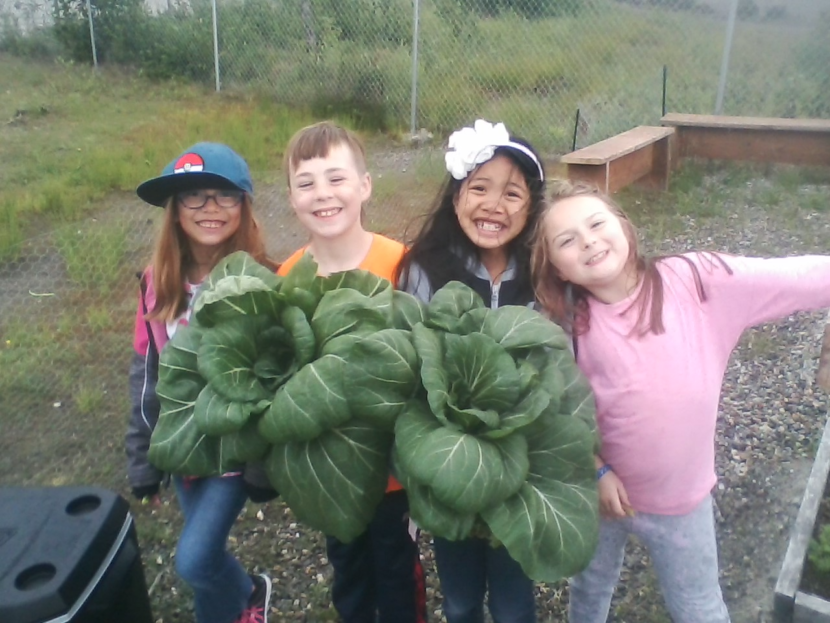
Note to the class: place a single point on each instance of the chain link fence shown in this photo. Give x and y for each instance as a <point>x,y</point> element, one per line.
<point>561,73</point>
<point>557,70</point>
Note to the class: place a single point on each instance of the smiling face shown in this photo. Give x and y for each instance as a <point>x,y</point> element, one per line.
<point>492,204</point>
<point>328,193</point>
<point>588,246</point>
<point>207,228</point>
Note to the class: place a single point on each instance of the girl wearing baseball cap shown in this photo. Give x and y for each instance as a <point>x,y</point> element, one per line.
<point>206,194</point>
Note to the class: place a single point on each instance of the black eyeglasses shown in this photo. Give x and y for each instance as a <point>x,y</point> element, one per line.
<point>197,199</point>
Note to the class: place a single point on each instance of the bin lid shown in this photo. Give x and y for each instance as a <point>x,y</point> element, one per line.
<point>55,542</point>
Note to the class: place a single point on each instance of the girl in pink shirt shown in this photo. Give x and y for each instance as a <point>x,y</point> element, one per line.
<point>654,336</point>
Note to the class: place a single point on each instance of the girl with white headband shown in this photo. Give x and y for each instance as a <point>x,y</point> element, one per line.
<point>478,232</point>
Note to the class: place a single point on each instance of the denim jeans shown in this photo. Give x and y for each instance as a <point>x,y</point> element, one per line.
<point>468,568</point>
<point>378,577</point>
<point>221,585</point>
<point>684,551</point>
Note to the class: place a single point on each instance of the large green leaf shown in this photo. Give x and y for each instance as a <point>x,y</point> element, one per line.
<point>428,512</point>
<point>515,327</point>
<point>465,473</point>
<point>302,337</point>
<point>481,373</point>
<point>334,482</point>
<point>362,281</point>
<point>429,345</point>
<point>348,311</point>
<point>178,360</point>
<point>309,404</point>
<point>229,353</point>
<point>577,398</point>
<point>471,321</point>
<point>382,376</point>
<point>301,287</point>
<point>238,285</point>
<point>550,525</point>
<point>177,445</point>
<point>243,446</point>
<point>407,311</point>
<point>216,415</point>
<point>449,304</point>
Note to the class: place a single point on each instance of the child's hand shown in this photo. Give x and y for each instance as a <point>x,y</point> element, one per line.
<point>613,500</point>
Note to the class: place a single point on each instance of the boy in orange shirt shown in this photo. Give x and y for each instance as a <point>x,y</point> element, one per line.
<point>378,577</point>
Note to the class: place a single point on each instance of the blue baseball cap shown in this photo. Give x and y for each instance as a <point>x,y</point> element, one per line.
<point>204,165</point>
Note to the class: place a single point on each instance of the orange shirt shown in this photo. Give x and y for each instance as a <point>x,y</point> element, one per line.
<point>382,259</point>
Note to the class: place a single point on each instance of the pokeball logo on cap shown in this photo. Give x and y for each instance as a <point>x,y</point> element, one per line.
<point>189,163</point>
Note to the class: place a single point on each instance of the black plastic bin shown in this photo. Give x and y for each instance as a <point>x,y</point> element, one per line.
<point>69,554</point>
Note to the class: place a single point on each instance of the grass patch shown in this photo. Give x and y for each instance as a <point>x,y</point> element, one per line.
<point>66,146</point>
<point>100,269</point>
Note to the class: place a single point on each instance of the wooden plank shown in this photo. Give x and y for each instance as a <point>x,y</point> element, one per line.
<point>821,126</point>
<point>662,164</point>
<point>590,173</point>
<point>789,578</point>
<point>810,609</point>
<point>760,145</point>
<point>617,146</point>
<point>630,168</point>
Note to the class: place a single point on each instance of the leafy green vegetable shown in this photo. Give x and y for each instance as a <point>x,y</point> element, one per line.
<point>503,444</point>
<point>330,380</point>
<point>302,367</point>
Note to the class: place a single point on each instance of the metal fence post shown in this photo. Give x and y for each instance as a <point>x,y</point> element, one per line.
<point>414,105</point>
<point>727,50</point>
<point>92,34</point>
<point>215,46</point>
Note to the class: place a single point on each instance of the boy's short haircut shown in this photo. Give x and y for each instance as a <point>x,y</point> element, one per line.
<point>316,141</point>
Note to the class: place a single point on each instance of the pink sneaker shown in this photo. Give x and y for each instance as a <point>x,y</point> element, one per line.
<point>257,610</point>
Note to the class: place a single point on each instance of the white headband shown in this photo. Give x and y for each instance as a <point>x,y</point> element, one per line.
<point>470,147</point>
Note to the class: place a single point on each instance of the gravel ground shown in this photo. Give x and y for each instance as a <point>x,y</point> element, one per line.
<point>771,415</point>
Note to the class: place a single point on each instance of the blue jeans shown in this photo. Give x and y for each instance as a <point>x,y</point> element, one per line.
<point>469,568</point>
<point>684,552</point>
<point>220,584</point>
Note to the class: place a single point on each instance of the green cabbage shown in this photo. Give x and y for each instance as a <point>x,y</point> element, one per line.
<point>481,414</point>
<point>305,372</point>
<point>502,446</point>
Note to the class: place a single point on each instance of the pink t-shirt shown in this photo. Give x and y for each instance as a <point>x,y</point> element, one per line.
<point>657,395</point>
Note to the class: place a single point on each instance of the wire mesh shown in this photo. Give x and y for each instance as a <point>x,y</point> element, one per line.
<point>558,72</point>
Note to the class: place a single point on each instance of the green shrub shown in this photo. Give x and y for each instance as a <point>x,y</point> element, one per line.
<point>116,23</point>
<point>530,9</point>
<point>177,43</point>
<point>820,550</point>
<point>38,44</point>
<point>371,22</point>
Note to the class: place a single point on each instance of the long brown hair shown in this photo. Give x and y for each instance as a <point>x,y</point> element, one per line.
<point>172,257</point>
<point>567,303</point>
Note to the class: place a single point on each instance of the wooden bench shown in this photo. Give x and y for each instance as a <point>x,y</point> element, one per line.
<point>760,139</point>
<point>642,154</point>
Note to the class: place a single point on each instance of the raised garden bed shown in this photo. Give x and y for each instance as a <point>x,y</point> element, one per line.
<point>801,595</point>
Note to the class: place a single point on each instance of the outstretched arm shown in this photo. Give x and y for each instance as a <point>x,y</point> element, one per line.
<point>762,290</point>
